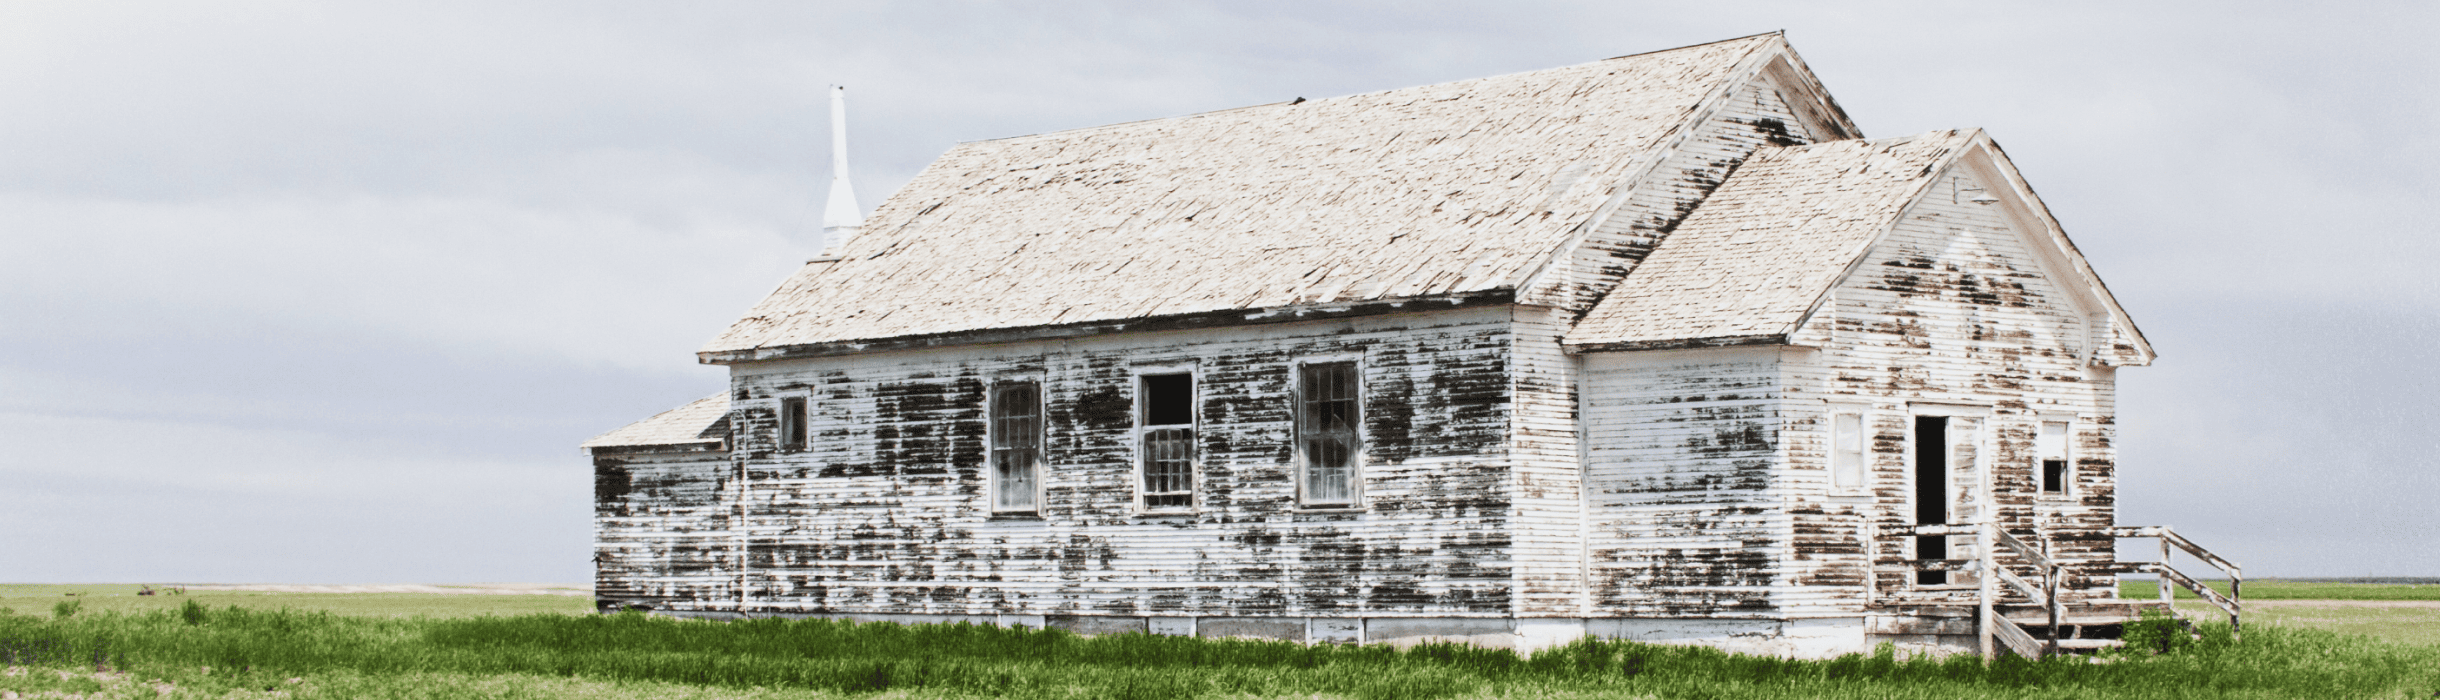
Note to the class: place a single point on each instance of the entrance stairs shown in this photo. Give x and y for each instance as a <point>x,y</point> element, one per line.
<point>2084,627</point>
<point>2021,607</point>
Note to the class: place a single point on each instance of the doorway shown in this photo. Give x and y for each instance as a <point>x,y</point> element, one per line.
<point>1931,492</point>
<point>1948,489</point>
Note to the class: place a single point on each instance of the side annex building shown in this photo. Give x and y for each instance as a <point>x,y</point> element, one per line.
<point>1658,347</point>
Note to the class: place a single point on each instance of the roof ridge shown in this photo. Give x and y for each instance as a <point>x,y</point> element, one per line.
<point>1302,100</point>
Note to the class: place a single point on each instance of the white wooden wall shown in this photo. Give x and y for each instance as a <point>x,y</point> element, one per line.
<point>1682,451</point>
<point>888,513</point>
<point>663,531</point>
<point>1951,307</point>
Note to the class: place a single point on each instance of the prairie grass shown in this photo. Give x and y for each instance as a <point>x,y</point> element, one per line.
<point>2411,625</point>
<point>206,651</point>
<point>2281,589</point>
<point>27,598</point>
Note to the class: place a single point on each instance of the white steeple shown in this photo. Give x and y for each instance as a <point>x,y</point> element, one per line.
<point>842,219</point>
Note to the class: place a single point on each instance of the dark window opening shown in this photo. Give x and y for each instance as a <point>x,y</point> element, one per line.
<point>1931,492</point>
<point>1168,440</point>
<point>2050,446</point>
<point>792,425</point>
<point>1327,439</point>
<point>1169,399</point>
<point>1016,446</point>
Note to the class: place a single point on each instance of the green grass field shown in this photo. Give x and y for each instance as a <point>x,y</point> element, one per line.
<point>2281,589</point>
<point>478,646</point>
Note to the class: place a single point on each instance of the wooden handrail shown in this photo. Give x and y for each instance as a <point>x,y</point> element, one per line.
<point>1989,538</point>
<point>2017,639</point>
<point>2035,557</point>
<point>2233,603</point>
<point>2202,591</point>
<point>1931,530</point>
<point>2010,578</point>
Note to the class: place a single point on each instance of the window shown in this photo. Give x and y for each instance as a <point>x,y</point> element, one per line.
<point>1016,447</point>
<point>1167,431</point>
<point>1846,451</point>
<point>792,424</point>
<point>2050,448</point>
<point>1327,442</point>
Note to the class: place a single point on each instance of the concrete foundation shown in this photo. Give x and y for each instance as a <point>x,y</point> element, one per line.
<point>1809,638</point>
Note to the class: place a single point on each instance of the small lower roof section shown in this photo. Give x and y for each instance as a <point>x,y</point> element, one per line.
<point>702,425</point>
<point>1748,264</point>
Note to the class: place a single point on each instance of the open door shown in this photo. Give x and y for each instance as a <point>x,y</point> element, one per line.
<point>1950,489</point>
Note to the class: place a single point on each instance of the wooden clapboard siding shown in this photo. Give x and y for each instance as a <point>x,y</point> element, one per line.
<point>1680,462</point>
<point>663,530</point>
<point>1546,472</point>
<point>888,514</point>
<point>1951,306</point>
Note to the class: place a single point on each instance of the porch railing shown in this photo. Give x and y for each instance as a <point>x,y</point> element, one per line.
<point>2231,603</point>
<point>1995,630</point>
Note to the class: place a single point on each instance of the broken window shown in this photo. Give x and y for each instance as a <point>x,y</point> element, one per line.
<point>792,424</point>
<point>1327,442</point>
<point>1846,451</point>
<point>2050,448</point>
<point>1016,447</point>
<point>1168,438</point>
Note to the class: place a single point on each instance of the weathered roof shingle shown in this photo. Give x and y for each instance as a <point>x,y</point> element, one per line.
<point>1751,261</point>
<point>1455,188</point>
<point>701,422</point>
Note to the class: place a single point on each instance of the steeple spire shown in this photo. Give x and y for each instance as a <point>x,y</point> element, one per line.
<point>842,219</point>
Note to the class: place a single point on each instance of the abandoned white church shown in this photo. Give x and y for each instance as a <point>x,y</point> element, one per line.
<point>1659,347</point>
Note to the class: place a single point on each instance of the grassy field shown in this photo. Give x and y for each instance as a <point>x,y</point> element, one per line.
<point>360,646</point>
<point>2281,589</point>
<point>38,599</point>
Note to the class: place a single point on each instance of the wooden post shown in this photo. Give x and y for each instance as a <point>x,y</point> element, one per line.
<point>2050,589</point>
<point>2236,601</point>
<point>2165,597</point>
<point>1872,560</point>
<point>1989,579</point>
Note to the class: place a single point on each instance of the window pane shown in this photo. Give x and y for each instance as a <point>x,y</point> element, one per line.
<point>1169,457</point>
<point>1847,450</point>
<point>792,424</point>
<point>1328,414</point>
<point>2050,446</point>
<point>1016,445</point>
<point>2052,442</point>
<point>1169,399</point>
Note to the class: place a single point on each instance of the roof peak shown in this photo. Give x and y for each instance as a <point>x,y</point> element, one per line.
<point>1300,101</point>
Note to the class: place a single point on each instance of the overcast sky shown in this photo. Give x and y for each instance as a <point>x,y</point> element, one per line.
<point>322,292</point>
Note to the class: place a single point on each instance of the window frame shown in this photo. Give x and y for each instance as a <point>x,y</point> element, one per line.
<point>1298,392</point>
<point>795,432</point>
<point>992,447</point>
<point>1830,453</point>
<point>2067,453</point>
<point>1139,484</point>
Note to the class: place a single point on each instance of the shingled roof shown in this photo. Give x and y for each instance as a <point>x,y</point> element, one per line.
<point>1773,238</point>
<point>702,424</point>
<point>1763,250</point>
<point>1456,189</point>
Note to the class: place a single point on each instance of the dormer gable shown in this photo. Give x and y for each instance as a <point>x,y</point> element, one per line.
<point>1758,260</point>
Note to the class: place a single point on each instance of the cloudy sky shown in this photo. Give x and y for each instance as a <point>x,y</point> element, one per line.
<point>324,292</point>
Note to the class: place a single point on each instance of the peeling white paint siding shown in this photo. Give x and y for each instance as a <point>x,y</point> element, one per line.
<point>1547,474</point>
<point>663,529</point>
<point>1952,306</point>
<point>887,514</point>
<point>1679,472</point>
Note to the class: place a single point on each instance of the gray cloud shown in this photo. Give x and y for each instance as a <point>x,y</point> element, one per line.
<point>329,292</point>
